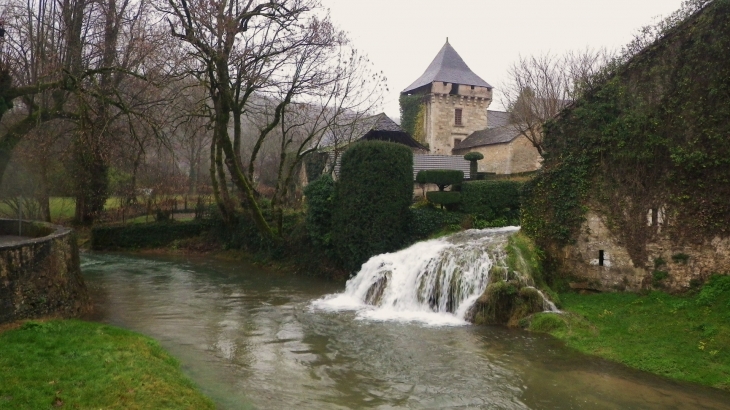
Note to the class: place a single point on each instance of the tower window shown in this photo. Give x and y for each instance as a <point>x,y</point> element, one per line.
<point>472,87</point>
<point>457,117</point>
<point>457,141</point>
<point>601,258</point>
<point>454,89</point>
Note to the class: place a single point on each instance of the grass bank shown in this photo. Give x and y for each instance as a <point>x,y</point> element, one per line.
<point>75,364</point>
<point>681,337</point>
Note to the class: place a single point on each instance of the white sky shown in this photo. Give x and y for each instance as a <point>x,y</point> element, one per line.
<point>401,37</point>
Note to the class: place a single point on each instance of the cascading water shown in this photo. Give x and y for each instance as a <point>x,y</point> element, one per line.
<point>435,281</point>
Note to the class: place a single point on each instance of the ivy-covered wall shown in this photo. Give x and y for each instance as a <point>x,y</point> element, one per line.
<point>412,116</point>
<point>648,149</point>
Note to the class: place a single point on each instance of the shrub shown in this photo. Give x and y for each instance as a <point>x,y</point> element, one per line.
<point>444,198</point>
<point>426,221</point>
<point>320,198</point>
<point>713,289</point>
<point>473,157</point>
<point>372,199</point>
<point>149,235</point>
<point>440,177</point>
<point>491,200</point>
<point>314,164</point>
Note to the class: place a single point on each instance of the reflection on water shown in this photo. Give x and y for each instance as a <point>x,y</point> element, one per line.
<point>250,340</point>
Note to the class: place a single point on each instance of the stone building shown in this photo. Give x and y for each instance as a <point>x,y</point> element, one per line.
<point>506,150</point>
<point>456,100</point>
<point>457,118</point>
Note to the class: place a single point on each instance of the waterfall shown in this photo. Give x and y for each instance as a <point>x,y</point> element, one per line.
<point>434,281</point>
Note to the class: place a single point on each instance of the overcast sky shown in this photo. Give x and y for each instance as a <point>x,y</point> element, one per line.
<point>401,37</point>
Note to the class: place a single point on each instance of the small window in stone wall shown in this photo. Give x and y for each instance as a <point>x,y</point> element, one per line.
<point>457,117</point>
<point>652,217</point>
<point>472,87</point>
<point>454,89</point>
<point>457,141</point>
<point>601,258</point>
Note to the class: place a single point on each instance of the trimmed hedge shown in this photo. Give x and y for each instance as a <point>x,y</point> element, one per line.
<point>320,198</point>
<point>149,235</point>
<point>491,200</point>
<point>372,200</point>
<point>474,156</point>
<point>444,197</point>
<point>426,221</point>
<point>440,177</point>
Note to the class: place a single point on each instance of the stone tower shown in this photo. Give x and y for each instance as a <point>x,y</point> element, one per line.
<point>456,100</point>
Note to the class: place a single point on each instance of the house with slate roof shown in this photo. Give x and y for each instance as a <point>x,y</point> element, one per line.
<point>377,127</point>
<point>506,150</point>
<point>457,118</point>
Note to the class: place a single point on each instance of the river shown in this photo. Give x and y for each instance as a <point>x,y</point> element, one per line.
<point>250,338</point>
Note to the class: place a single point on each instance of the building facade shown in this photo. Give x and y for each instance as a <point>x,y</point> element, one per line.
<point>457,119</point>
<point>456,101</point>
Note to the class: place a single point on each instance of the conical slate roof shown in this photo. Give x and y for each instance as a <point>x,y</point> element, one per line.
<point>449,67</point>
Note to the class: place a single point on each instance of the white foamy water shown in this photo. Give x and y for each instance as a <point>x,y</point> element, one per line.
<point>433,282</point>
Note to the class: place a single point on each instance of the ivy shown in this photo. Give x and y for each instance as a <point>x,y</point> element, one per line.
<point>653,133</point>
<point>412,112</point>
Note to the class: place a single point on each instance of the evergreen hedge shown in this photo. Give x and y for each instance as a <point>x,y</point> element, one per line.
<point>320,199</point>
<point>444,198</point>
<point>440,177</point>
<point>426,221</point>
<point>491,200</point>
<point>372,199</point>
<point>150,235</point>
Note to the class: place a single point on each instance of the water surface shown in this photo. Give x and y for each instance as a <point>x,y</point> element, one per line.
<point>250,339</point>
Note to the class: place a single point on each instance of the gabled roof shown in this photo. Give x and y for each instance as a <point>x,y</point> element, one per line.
<point>448,67</point>
<point>385,129</point>
<point>490,136</point>
<point>380,122</point>
<point>376,127</point>
<point>500,130</point>
<point>496,119</point>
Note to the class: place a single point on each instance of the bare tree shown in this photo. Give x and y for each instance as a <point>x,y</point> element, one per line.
<point>541,86</point>
<point>246,51</point>
<point>79,61</point>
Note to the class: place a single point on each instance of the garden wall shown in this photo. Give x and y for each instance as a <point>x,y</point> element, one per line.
<point>40,273</point>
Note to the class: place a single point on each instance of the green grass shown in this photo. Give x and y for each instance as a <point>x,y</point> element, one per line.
<point>62,208</point>
<point>75,364</point>
<point>685,338</point>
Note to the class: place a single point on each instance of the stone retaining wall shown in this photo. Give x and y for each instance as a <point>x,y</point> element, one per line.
<point>599,258</point>
<point>40,275</point>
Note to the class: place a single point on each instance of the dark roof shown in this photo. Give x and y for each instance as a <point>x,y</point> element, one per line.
<point>496,119</point>
<point>490,136</point>
<point>382,128</point>
<point>377,127</point>
<point>448,67</point>
<point>381,122</point>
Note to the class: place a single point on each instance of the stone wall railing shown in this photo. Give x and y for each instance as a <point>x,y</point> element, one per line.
<point>40,273</point>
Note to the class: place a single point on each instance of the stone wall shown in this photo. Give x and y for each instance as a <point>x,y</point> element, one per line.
<point>441,131</point>
<point>685,264</point>
<point>40,276</point>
